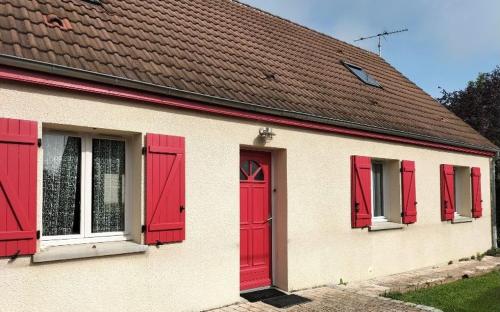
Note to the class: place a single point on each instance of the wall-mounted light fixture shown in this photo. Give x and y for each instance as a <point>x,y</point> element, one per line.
<point>266,134</point>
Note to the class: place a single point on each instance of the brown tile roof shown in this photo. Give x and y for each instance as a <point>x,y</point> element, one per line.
<point>225,49</point>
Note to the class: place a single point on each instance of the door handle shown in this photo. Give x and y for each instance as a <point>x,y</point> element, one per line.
<point>267,221</point>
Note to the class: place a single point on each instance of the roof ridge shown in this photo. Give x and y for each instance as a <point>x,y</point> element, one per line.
<point>329,37</point>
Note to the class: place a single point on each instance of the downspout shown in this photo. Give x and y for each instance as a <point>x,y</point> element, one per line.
<point>494,233</point>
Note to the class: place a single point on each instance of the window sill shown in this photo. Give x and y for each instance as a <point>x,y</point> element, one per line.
<point>461,219</point>
<point>69,252</point>
<point>385,226</point>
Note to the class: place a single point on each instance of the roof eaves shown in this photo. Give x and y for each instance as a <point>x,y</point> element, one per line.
<point>60,70</point>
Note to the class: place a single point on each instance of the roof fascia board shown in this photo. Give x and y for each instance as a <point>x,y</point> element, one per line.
<point>113,87</point>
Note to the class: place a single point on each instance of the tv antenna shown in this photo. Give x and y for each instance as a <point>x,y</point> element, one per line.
<point>381,35</point>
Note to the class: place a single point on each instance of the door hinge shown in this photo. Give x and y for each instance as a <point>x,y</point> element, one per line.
<point>38,234</point>
<point>39,143</point>
<point>143,229</point>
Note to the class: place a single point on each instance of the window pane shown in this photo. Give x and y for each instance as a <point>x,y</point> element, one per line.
<point>243,176</point>
<point>255,166</point>
<point>363,75</point>
<point>245,166</point>
<point>108,186</point>
<point>259,176</point>
<point>61,185</point>
<point>378,195</point>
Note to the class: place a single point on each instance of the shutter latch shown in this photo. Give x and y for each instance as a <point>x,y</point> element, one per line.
<point>143,229</point>
<point>38,234</point>
<point>356,207</point>
<point>144,150</point>
<point>39,142</point>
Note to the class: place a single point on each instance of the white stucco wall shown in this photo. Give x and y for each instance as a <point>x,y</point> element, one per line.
<point>203,271</point>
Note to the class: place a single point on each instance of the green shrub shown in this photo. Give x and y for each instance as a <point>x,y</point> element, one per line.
<point>494,252</point>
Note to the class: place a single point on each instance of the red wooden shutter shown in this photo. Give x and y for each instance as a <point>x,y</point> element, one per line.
<point>361,202</point>
<point>18,170</point>
<point>165,215</point>
<point>447,192</point>
<point>408,192</point>
<point>477,206</point>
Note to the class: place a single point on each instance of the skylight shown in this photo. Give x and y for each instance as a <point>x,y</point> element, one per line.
<point>98,2</point>
<point>362,75</point>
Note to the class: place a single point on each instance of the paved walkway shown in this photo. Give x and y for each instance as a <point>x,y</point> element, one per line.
<point>329,299</point>
<point>364,296</point>
<point>425,277</point>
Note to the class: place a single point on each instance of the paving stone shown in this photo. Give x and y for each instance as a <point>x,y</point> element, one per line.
<point>435,280</point>
<point>485,267</point>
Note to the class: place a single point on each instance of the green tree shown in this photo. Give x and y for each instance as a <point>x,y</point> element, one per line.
<point>479,105</point>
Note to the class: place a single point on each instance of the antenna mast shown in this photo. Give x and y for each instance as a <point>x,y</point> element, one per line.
<point>381,35</point>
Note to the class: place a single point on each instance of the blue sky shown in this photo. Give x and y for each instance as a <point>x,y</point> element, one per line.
<point>449,41</point>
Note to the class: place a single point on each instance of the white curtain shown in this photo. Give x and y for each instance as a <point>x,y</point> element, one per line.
<point>108,186</point>
<point>61,185</point>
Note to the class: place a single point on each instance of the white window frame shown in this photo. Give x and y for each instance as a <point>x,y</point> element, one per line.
<point>459,204</point>
<point>384,192</point>
<point>86,235</point>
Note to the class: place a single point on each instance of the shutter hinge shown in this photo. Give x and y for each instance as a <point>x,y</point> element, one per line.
<point>181,208</point>
<point>38,234</point>
<point>402,214</point>
<point>39,142</point>
<point>15,256</point>
<point>143,229</point>
<point>144,150</point>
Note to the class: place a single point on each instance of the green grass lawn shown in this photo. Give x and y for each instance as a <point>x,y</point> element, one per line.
<point>476,294</point>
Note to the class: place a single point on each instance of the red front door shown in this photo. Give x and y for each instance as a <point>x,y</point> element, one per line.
<point>255,222</point>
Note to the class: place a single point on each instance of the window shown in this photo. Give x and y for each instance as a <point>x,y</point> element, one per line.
<point>385,187</point>
<point>83,188</point>
<point>251,170</point>
<point>362,75</point>
<point>462,190</point>
<point>378,190</point>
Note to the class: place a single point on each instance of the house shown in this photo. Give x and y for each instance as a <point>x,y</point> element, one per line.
<point>166,155</point>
